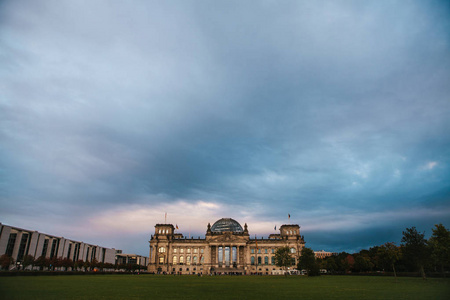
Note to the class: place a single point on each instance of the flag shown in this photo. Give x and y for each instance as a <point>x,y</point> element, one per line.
<point>275,228</point>
<point>289,216</point>
<point>256,242</point>
<point>176,226</point>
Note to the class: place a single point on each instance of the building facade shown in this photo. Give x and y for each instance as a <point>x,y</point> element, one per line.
<point>323,254</point>
<point>133,259</point>
<point>18,243</point>
<point>226,248</point>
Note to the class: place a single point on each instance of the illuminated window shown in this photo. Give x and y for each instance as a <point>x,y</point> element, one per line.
<point>189,250</point>
<point>292,250</point>
<point>161,250</point>
<point>181,259</point>
<point>174,250</point>
<point>161,260</point>
<point>195,250</point>
<point>188,260</point>
<point>175,260</point>
<point>181,250</point>
<point>159,231</point>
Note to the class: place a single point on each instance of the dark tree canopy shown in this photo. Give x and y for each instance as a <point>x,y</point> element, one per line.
<point>439,243</point>
<point>415,248</point>
<point>307,261</point>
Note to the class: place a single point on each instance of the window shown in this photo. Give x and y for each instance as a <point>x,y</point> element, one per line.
<point>194,260</point>
<point>23,244</point>
<point>159,231</point>
<point>273,251</point>
<point>175,260</point>
<point>12,241</point>
<point>252,260</point>
<point>188,250</point>
<point>201,250</point>
<point>273,260</point>
<point>195,250</point>
<point>174,250</point>
<point>266,251</point>
<point>181,250</point>
<point>266,260</point>
<point>259,260</point>
<point>181,259</point>
<point>202,259</point>
<point>292,250</point>
<point>259,250</point>
<point>252,251</point>
<point>188,260</point>
<point>161,250</point>
<point>161,260</point>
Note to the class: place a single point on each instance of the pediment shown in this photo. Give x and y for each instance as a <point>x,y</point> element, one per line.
<point>227,237</point>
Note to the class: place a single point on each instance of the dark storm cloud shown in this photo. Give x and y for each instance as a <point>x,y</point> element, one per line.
<point>322,110</point>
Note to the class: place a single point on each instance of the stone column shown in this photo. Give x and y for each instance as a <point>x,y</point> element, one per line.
<point>231,254</point>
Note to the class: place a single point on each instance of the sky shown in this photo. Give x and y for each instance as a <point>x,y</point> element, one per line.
<point>114,113</point>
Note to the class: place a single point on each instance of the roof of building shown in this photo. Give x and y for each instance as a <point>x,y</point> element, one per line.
<point>226,224</point>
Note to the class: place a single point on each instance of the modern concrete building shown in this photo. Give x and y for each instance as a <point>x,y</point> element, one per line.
<point>17,243</point>
<point>226,248</point>
<point>122,258</point>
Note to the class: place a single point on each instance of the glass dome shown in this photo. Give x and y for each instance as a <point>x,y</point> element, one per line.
<point>226,224</point>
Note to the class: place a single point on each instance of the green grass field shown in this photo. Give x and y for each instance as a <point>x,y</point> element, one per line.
<point>221,287</point>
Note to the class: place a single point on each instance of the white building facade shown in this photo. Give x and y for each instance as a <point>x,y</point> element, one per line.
<point>18,243</point>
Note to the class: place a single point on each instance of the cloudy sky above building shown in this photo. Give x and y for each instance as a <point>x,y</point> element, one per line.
<point>113,113</point>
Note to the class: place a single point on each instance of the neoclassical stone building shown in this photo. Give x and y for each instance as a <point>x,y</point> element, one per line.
<point>227,247</point>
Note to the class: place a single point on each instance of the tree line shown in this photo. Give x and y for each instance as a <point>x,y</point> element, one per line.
<point>414,254</point>
<point>43,263</point>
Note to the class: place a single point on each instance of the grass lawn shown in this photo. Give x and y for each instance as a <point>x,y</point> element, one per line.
<point>221,287</point>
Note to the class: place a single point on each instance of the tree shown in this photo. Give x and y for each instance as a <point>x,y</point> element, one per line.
<point>362,263</point>
<point>331,264</point>
<point>389,254</point>
<point>307,261</point>
<point>67,263</point>
<point>415,248</point>
<point>283,258</point>
<point>87,266</point>
<point>42,262</point>
<point>78,264</point>
<point>55,263</point>
<point>439,243</point>
<point>6,261</point>
<point>28,260</point>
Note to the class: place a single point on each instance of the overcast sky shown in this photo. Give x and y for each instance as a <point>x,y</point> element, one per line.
<point>113,113</point>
